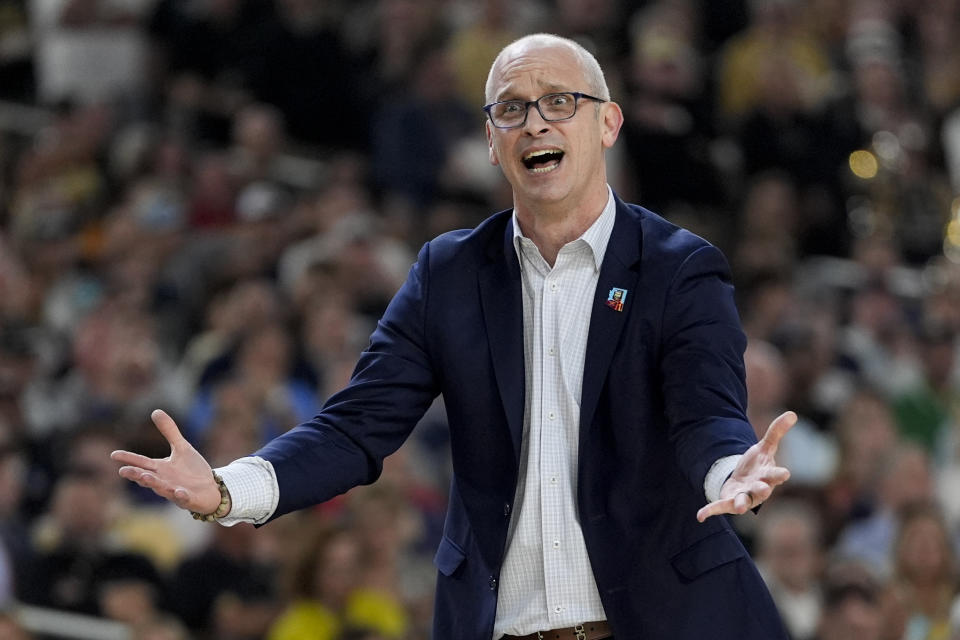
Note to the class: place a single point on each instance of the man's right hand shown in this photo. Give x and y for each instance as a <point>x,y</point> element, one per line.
<point>183,477</point>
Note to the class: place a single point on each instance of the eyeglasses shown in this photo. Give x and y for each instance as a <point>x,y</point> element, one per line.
<point>511,114</point>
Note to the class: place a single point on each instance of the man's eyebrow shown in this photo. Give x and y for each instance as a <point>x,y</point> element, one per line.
<point>506,95</point>
<point>548,88</point>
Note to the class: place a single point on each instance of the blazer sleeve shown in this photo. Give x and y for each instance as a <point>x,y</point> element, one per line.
<point>392,386</point>
<point>702,365</point>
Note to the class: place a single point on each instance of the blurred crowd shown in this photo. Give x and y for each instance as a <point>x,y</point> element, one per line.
<point>206,204</point>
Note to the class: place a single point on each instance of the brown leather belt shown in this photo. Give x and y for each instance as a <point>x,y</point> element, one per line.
<point>586,631</point>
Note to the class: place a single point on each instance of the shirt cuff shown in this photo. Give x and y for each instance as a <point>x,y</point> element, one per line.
<point>254,491</point>
<point>718,474</point>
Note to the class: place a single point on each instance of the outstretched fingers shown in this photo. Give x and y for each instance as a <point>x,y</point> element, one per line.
<point>134,460</point>
<point>145,479</point>
<point>150,480</point>
<point>776,476</point>
<point>748,496</point>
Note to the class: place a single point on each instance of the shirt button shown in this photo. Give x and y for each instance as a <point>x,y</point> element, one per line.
<point>556,544</point>
<point>557,609</point>
<point>493,583</point>
<point>552,351</point>
<point>552,415</point>
<point>553,479</point>
<point>553,286</point>
<point>506,508</point>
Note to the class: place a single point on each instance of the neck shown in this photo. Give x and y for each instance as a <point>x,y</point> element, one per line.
<point>552,225</point>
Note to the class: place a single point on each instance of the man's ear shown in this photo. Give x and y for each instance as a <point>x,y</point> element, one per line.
<point>611,120</point>
<point>493,154</point>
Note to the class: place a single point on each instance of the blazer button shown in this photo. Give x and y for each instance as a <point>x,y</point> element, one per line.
<point>493,583</point>
<point>506,509</point>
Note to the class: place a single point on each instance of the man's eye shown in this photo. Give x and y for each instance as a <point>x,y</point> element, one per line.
<point>559,100</point>
<point>512,107</point>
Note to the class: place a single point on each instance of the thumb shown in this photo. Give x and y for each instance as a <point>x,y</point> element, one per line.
<point>168,429</point>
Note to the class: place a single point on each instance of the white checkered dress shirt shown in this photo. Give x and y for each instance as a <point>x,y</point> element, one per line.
<point>546,581</point>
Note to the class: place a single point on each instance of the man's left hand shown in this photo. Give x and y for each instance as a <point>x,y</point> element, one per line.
<point>755,476</point>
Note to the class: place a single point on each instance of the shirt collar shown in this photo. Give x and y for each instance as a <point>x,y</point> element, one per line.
<point>597,236</point>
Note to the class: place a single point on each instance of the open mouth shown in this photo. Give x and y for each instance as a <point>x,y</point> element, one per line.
<point>543,161</point>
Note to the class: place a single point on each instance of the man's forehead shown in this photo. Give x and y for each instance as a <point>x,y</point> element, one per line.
<point>552,67</point>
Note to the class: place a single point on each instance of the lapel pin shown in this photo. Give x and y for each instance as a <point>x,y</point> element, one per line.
<point>616,298</point>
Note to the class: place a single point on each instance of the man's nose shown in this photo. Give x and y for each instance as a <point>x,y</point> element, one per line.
<point>535,123</point>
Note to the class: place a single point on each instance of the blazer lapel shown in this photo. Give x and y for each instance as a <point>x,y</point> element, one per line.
<point>620,270</point>
<point>500,296</point>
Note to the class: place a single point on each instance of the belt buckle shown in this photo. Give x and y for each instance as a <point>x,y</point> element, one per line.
<point>581,634</point>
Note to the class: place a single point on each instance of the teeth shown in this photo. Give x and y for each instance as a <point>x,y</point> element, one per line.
<point>535,154</point>
<point>544,169</point>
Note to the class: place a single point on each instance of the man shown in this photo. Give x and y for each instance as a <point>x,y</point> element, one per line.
<point>584,438</point>
<point>853,606</point>
<point>790,557</point>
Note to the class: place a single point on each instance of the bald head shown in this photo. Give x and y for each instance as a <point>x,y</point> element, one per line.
<point>589,65</point>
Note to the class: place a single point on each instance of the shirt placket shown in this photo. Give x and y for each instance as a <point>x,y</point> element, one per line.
<point>551,440</point>
<point>535,272</point>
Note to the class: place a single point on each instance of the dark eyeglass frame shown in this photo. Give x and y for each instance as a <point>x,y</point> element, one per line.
<point>577,96</point>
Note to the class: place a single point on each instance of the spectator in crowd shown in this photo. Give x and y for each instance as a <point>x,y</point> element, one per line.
<point>214,58</point>
<point>927,412</point>
<point>386,37</point>
<point>852,605</point>
<point>118,369</point>
<point>939,55</point>
<point>790,558</point>
<point>243,304</point>
<point>145,528</point>
<point>768,226</point>
<point>867,436</point>
<point>925,576</point>
<point>668,124</point>
<point>773,40</point>
<point>474,45</point>
<point>811,453</point>
<point>56,189</point>
<point>261,375</point>
<point>89,50</point>
<point>415,132</point>
<point>327,592</point>
<point>906,481</point>
<point>807,341</point>
<point>226,590</point>
<point>78,567</point>
<point>331,333</point>
<point>310,75</point>
<point>875,338</point>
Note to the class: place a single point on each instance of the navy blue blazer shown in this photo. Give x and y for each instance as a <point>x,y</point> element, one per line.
<point>663,398</point>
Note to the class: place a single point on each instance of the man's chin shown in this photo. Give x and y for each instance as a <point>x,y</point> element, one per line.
<point>546,185</point>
